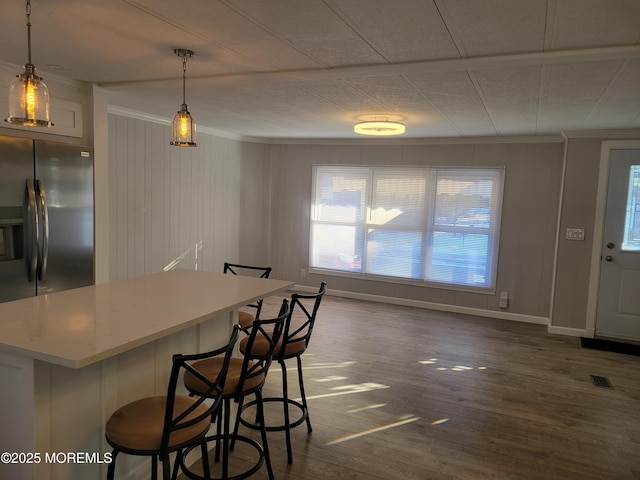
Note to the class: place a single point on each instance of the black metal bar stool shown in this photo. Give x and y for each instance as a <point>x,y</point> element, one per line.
<point>159,425</point>
<point>295,340</point>
<point>246,376</point>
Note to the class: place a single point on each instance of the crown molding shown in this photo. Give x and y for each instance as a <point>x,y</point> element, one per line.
<point>628,133</point>
<point>147,117</point>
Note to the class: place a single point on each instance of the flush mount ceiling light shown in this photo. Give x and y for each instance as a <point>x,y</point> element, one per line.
<point>184,126</point>
<point>379,127</point>
<point>29,102</point>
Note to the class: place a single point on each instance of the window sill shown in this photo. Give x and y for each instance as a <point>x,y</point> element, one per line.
<point>401,281</point>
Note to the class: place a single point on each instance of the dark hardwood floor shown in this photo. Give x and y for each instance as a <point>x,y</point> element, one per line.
<point>405,393</point>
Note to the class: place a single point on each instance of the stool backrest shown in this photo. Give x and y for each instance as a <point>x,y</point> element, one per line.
<point>259,347</point>
<point>249,271</point>
<point>175,421</point>
<point>302,317</point>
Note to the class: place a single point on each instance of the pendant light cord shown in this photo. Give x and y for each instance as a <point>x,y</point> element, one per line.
<point>29,31</point>
<point>184,75</point>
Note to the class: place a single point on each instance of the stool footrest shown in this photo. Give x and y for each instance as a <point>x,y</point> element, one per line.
<point>274,428</point>
<point>240,476</point>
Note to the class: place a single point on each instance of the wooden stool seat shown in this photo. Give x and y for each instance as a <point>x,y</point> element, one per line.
<point>292,348</point>
<point>245,319</point>
<point>138,426</point>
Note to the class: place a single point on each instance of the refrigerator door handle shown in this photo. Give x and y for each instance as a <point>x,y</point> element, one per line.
<point>43,251</point>
<point>31,231</point>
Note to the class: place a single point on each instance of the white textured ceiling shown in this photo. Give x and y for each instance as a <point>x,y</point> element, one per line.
<point>312,68</point>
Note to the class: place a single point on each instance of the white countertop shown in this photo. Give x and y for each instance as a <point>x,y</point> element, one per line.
<point>78,327</point>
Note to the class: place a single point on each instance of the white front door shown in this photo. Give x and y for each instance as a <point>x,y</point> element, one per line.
<point>618,311</point>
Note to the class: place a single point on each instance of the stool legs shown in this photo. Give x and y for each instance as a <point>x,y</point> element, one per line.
<point>225,438</point>
<point>224,442</point>
<point>260,424</point>
<point>303,395</point>
<point>204,454</point>
<point>286,402</point>
<point>111,471</point>
<point>154,467</point>
<point>263,433</point>
<point>288,424</point>
<point>222,437</point>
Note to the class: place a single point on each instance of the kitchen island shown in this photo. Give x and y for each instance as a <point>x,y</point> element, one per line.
<point>69,359</point>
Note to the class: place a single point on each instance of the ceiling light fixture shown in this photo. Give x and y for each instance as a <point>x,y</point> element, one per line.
<point>184,126</point>
<point>379,127</point>
<point>29,101</point>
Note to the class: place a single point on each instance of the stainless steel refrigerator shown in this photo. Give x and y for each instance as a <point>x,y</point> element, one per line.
<point>46,217</point>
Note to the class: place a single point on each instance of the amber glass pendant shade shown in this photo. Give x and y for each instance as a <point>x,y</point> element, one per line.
<point>184,129</point>
<point>29,101</point>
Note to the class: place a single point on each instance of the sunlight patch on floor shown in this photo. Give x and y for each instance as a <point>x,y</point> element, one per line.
<point>367,407</point>
<point>373,430</point>
<point>350,389</point>
<point>455,368</point>
<point>440,421</point>
<point>333,378</point>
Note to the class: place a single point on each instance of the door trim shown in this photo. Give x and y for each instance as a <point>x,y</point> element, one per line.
<point>598,227</point>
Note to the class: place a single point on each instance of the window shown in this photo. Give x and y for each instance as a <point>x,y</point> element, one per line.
<point>631,238</point>
<point>434,225</point>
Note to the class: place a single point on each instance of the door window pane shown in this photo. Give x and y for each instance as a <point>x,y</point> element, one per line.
<point>631,239</point>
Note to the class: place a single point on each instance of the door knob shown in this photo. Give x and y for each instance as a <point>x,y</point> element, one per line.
<point>609,258</point>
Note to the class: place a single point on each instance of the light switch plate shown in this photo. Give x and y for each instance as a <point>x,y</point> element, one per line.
<point>575,234</point>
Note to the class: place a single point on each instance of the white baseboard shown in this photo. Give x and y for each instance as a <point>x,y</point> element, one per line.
<point>572,332</point>
<point>442,307</point>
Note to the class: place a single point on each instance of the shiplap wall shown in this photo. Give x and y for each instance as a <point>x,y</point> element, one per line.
<point>176,207</point>
<point>529,220</point>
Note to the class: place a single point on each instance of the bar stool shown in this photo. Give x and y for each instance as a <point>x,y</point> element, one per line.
<point>159,425</point>
<point>295,340</point>
<point>246,376</point>
<point>245,319</point>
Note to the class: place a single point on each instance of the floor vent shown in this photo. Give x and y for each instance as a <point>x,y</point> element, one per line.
<point>599,381</point>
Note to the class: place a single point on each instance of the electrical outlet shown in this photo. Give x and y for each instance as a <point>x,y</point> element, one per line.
<point>303,273</point>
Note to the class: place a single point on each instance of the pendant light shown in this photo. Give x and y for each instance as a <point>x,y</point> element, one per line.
<point>184,126</point>
<point>29,102</point>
